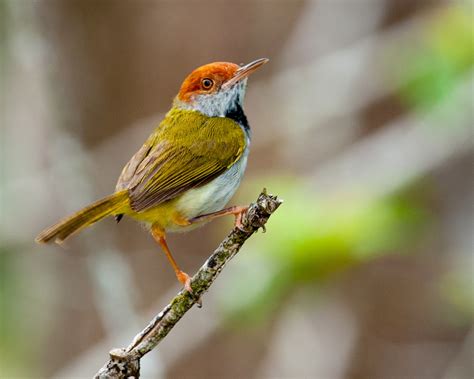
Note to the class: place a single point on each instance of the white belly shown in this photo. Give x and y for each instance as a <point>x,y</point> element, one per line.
<point>214,195</point>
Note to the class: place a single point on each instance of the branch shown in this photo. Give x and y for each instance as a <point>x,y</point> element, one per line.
<point>125,363</point>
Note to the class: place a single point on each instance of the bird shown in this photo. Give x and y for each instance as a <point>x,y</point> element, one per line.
<point>188,168</point>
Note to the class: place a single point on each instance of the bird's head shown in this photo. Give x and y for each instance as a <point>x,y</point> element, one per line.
<point>216,88</point>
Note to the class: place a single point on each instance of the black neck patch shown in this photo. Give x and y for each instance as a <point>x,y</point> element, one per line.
<point>237,114</point>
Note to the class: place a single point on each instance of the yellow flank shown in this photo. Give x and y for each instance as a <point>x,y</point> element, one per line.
<point>162,214</point>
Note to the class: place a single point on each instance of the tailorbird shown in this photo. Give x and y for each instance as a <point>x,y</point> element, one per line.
<point>189,167</point>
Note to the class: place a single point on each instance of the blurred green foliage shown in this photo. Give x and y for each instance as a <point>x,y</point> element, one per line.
<point>428,67</point>
<point>309,239</point>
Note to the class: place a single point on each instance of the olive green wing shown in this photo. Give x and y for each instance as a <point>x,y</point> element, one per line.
<point>189,150</point>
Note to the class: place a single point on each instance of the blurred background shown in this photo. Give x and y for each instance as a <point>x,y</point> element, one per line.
<point>362,122</point>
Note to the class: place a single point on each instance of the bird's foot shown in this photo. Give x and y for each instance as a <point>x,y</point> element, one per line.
<point>185,280</point>
<point>239,213</point>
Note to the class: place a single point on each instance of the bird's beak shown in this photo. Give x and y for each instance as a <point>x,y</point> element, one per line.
<point>245,71</point>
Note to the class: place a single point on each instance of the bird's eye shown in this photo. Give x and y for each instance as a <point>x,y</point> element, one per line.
<point>207,83</point>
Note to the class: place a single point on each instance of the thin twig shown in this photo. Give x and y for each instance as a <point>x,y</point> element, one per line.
<point>125,363</point>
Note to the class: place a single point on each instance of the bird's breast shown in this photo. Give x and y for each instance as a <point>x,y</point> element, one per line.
<point>212,196</point>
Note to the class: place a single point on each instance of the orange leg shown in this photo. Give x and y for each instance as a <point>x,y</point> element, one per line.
<point>237,211</point>
<point>159,236</point>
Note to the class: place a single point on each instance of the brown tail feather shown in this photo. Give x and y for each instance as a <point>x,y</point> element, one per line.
<point>83,218</point>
